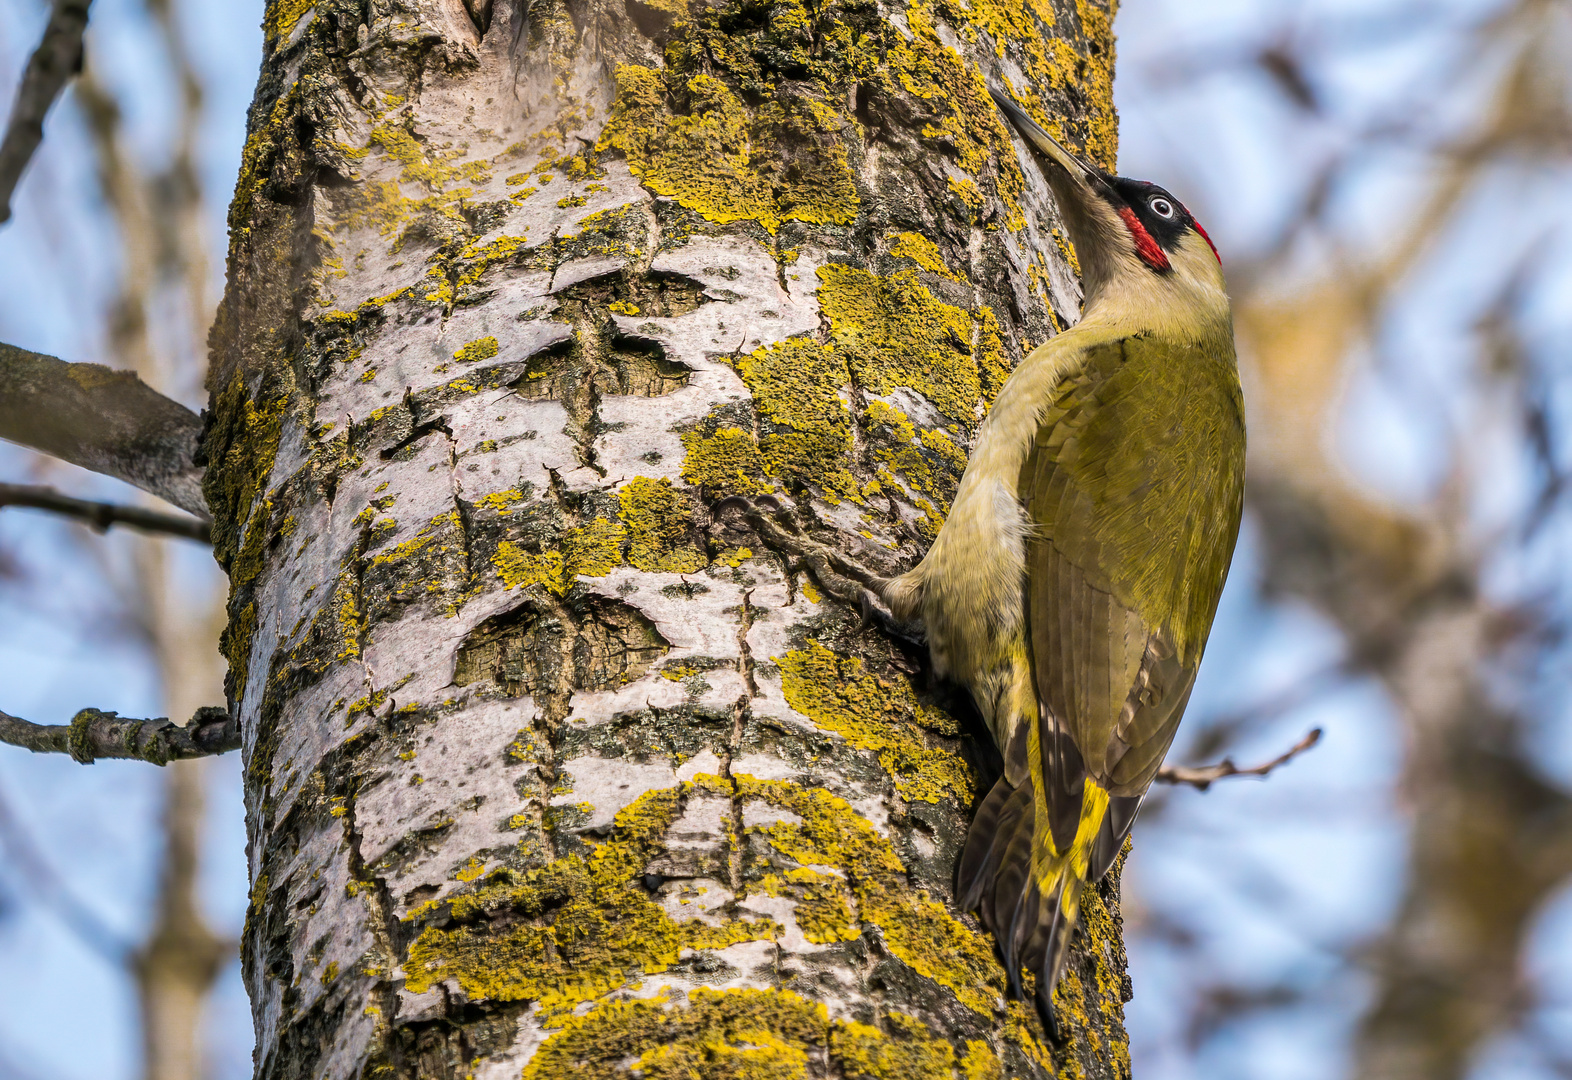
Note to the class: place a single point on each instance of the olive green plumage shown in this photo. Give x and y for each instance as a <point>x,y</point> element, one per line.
<point>1134,486</point>
<point>1074,582</point>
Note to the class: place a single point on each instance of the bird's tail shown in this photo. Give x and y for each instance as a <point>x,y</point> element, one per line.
<point>1028,856</point>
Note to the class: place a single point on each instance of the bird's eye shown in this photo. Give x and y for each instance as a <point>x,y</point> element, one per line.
<point>1161,207</point>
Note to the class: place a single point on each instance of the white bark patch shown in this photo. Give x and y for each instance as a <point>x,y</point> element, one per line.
<point>427,1006</point>
<point>577,271</point>
<point>421,634</point>
<point>703,763</point>
<point>761,815</point>
<point>509,1064</point>
<point>746,309</point>
<point>699,898</point>
<point>601,707</point>
<point>451,801</point>
<point>766,767</point>
<point>875,810</point>
<point>387,659</point>
<point>773,618</point>
<point>783,909</point>
<point>607,785</point>
<point>754,964</point>
<point>697,842</point>
<point>541,216</point>
<point>539,440</point>
<point>394,364</point>
<point>701,624</point>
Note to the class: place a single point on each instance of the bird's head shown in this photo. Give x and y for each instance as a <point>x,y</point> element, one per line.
<point>1135,242</point>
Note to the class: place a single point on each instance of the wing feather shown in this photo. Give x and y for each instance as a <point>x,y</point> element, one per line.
<point>1134,490</point>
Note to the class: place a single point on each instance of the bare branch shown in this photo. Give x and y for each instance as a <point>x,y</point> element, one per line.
<point>93,734</point>
<point>107,421</point>
<point>57,58</point>
<point>102,516</point>
<point>1207,775</point>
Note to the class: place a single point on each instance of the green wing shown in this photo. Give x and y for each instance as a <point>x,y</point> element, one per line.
<point>1134,486</point>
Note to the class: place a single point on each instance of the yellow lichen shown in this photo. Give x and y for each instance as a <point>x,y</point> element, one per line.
<point>501,501</point>
<point>806,427</point>
<point>922,251</point>
<point>593,549</point>
<point>256,157</point>
<point>590,550</point>
<point>967,120</point>
<point>882,715</point>
<point>438,170</point>
<point>738,1034</point>
<point>914,928</point>
<point>701,159</point>
<point>896,333</point>
<point>429,532</point>
<point>742,1034</point>
<point>885,333</point>
<point>993,361</point>
<point>519,568</point>
<point>967,192</point>
<point>603,926</point>
<point>253,426</point>
<point>235,644</point>
<point>479,349</point>
<point>658,517</point>
<point>726,462</point>
<point>981,1063</point>
<point>822,912</point>
<point>716,157</point>
<point>284,14</point>
<point>908,1052</point>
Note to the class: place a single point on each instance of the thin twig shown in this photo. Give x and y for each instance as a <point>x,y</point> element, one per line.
<point>102,516</point>
<point>93,734</point>
<point>1204,776</point>
<point>57,58</point>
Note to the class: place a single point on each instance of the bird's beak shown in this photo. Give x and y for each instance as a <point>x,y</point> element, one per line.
<point>1087,202</point>
<point>1079,171</point>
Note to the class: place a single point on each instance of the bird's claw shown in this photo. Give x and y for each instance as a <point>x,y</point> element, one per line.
<point>858,587</point>
<point>749,508</point>
<point>875,614</point>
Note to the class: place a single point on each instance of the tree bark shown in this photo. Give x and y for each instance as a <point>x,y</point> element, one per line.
<point>549,771</point>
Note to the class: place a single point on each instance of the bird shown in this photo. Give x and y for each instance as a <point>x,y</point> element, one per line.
<point>1073,584</point>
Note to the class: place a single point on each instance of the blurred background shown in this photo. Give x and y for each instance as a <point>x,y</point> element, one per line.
<point>1389,184</point>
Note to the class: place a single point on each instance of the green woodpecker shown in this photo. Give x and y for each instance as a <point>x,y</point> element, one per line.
<point>1073,585</point>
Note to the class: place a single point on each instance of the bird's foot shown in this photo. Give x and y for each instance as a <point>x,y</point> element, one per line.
<point>842,578</point>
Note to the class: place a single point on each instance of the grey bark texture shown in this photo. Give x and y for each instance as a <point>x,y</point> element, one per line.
<point>549,772</point>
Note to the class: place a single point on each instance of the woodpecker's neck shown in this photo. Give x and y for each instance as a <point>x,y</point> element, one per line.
<point>1188,302</point>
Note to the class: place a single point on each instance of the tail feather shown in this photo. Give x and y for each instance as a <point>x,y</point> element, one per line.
<point>979,859</point>
<point>1032,921</point>
<point>1012,870</point>
<point>1110,837</point>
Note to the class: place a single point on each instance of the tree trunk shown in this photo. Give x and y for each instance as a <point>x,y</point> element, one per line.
<point>548,770</point>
